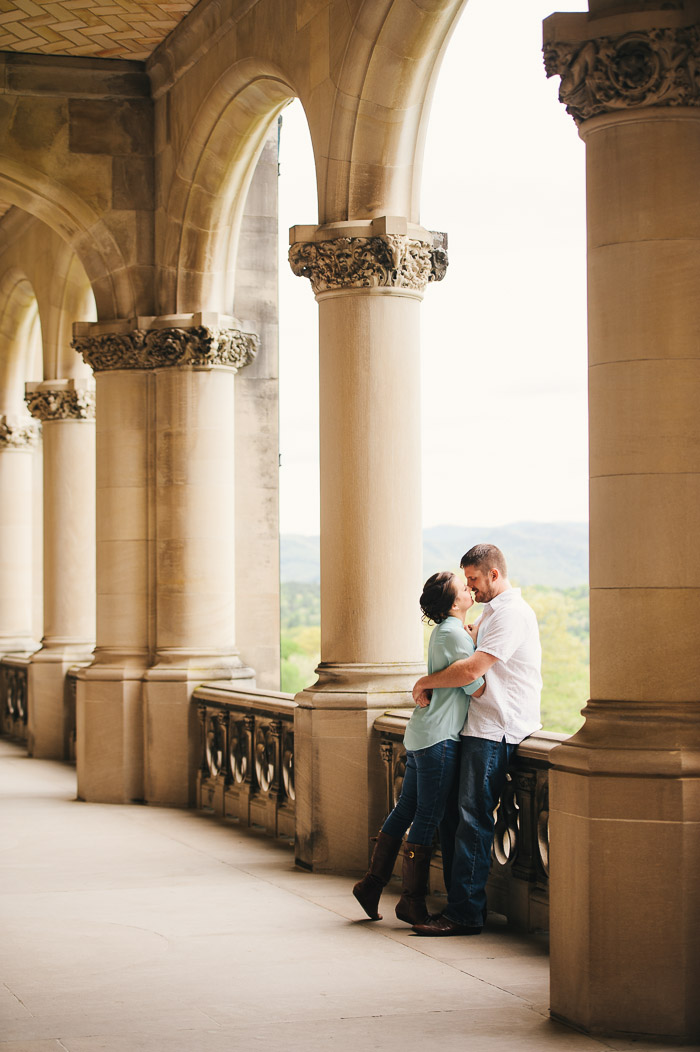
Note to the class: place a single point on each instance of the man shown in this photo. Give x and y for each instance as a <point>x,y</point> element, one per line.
<point>509,655</point>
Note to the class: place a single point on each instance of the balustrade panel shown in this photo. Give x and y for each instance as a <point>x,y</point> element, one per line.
<point>14,694</point>
<point>246,769</point>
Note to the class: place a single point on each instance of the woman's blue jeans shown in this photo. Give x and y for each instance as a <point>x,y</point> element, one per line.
<point>429,776</point>
<point>466,834</point>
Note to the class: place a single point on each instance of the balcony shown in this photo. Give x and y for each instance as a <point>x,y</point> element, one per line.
<point>138,929</point>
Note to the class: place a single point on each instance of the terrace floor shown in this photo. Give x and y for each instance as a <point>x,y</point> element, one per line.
<point>139,929</point>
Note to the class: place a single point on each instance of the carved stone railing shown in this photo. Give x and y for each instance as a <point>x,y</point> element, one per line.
<point>14,695</point>
<point>518,884</point>
<point>246,770</point>
<point>70,691</point>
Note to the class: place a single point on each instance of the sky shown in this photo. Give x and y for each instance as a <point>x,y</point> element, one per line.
<point>504,334</point>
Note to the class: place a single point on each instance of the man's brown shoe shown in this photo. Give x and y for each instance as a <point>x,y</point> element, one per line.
<point>442,925</point>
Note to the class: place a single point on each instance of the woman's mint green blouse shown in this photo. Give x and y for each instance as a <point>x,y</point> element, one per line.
<point>445,715</point>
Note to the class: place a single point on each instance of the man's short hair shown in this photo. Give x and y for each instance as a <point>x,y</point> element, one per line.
<point>485,557</point>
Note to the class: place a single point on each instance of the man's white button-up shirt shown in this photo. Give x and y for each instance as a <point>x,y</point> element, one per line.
<point>510,704</point>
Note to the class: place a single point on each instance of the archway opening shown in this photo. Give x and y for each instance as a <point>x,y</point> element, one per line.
<point>299,444</point>
<point>505,455</point>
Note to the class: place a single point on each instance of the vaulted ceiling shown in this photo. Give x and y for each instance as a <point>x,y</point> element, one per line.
<point>109,29</point>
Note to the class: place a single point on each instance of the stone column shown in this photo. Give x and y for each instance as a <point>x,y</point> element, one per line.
<point>66,409</point>
<point>166,576</point>
<point>625,790</point>
<point>368,279</point>
<point>18,440</point>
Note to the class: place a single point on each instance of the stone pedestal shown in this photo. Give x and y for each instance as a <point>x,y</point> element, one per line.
<point>18,441</point>
<point>166,582</point>
<point>368,279</point>
<point>67,411</point>
<point>625,790</point>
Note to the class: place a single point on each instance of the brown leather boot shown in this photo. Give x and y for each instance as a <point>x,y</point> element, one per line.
<point>368,890</point>
<point>414,884</point>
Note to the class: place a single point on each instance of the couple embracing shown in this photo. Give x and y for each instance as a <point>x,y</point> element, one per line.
<point>480,699</point>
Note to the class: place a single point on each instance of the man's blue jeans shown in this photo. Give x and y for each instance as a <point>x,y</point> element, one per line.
<point>430,774</point>
<point>466,832</point>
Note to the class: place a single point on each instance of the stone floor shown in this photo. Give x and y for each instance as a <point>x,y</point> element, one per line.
<point>137,929</point>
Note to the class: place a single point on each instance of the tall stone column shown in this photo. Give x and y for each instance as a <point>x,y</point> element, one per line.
<point>369,279</point>
<point>166,523</point>
<point>18,441</point>
<point>66,409</point>
<point>625,790</point>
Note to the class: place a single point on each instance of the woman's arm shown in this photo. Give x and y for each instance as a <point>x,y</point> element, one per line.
<point>461,672</point>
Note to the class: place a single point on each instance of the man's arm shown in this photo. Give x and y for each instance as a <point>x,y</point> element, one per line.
<point>458,674</point>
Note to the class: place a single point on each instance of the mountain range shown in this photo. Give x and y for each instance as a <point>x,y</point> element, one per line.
<point>545,553</point>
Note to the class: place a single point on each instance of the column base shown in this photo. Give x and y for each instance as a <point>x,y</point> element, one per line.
<point>172,732</point>
<point>49,719</point>
<point>339,774</point>
<point>624,860</point>
<point>109,734</point>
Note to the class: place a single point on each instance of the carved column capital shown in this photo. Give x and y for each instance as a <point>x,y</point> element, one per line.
<point>194,342</point>
<point>61,400</point>
<point>641,68</point>
<point>386,260</point>
<point>18,433</point>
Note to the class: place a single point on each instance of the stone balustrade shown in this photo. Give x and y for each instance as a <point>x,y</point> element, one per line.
<point>246,768</point>
<point>14,709</point>
<point>518,884</point>
<point>246,743</point>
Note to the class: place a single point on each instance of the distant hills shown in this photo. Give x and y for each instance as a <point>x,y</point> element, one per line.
<point>546,553</point>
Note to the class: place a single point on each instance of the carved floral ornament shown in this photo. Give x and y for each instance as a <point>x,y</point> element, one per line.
<point>383,261</point>
<point>62,405</point>
<point>655,67</point>
<point>158,348</point>
<point>18,435</point>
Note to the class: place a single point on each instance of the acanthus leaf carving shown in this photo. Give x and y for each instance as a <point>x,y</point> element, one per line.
<point>168,347</point>
<point>62,405</point>
<point>18,434</point>
<point>656,67</point>
<point>383,261</point>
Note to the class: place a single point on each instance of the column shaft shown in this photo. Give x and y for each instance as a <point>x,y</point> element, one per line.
<point>67,412</point>
<point>195,516</point>
<point>109,718</point>
<point>371,550</point>
<point>625,790</point>
<point>195,568</point>
<point>69,535</point>
<point>17,441</point>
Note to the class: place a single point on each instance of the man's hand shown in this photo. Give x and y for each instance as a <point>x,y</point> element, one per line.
<point>458,674</point>
<point>421,691</point>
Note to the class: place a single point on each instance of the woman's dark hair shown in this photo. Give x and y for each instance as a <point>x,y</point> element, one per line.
<point>439,593</point>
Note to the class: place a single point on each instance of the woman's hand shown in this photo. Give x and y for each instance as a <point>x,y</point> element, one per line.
<point>473,631</point>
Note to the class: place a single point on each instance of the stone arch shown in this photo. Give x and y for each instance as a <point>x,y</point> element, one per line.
<point>20,339</point>
<point>77,223</point>
<point>373,160</point>
<point>210,185</point>
<point>77,303</point>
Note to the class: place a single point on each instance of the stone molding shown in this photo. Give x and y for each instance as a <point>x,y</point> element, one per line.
<point>648,67</point>
<point>58,404</point>
<point>158,348</point>
<point>395,261</point>
<point>17,433</point>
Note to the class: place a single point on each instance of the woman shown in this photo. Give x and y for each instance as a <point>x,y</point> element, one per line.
<point>432,758</point>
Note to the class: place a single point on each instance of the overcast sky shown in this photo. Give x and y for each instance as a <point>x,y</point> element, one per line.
<point>506,329</point>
